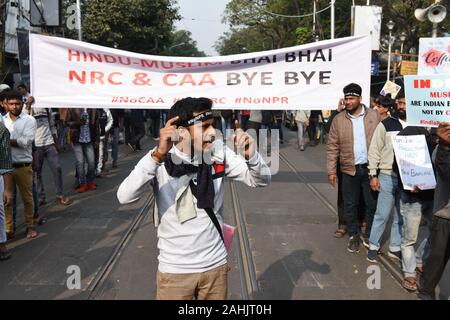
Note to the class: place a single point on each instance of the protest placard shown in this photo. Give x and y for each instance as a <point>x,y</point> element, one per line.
<point>414,163</point>
<point>390,88</point>
<point>69,73</point>
<point>434,56</point>
<point>408,68</point>
<point>427,100</point>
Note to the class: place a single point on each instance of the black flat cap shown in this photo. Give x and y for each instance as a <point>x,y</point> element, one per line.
<point>352,89</point>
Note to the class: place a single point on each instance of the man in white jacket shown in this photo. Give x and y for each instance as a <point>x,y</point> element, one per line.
<point>189,191</point>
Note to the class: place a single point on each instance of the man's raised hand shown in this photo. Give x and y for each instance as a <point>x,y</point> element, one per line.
<point>244,143</point>
<point>166,137</point>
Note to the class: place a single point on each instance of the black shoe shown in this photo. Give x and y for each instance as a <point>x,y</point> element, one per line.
<point>5,254</point>
<point>372,256</point>
<point>353,244</point>
<point>422,295</point>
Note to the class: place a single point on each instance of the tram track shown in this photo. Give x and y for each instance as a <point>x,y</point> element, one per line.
<point>97,284</point>
<point>246,266</point>
<point>387,263</point>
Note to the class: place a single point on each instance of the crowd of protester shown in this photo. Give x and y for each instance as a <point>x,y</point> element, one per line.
<point>360,163</point>
<point>31,136</point>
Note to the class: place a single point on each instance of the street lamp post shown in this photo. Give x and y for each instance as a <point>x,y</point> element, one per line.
<point>80,37</point>
<point>402,40</point>
<point>332,18</point>
<point>390,26</point>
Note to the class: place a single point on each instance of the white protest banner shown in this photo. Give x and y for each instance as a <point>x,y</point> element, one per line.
<point>434,56</point>
<point>427,100</point>
<point>69,73</point>
<point>414,163</point>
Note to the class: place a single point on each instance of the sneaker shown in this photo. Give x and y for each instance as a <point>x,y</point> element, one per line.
<point>353,245</point>
<point>91,186</point>
<point>302,148</point>
<point>372,256</point>
<point>5,254</point>
<point>397,255</point>
<point>114,164</point>
<point>365,242</point>
<point>81,188</point>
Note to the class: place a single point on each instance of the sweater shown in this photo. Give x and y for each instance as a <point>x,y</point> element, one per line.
<point>381,151</point>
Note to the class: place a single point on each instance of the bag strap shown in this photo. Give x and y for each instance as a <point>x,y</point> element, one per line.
<point>209,211</point>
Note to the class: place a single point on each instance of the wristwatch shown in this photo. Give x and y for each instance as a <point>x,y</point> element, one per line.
<point>159,157</point>
<point>372,176</point>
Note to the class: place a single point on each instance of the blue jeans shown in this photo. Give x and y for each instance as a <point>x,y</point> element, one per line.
<point>388,197</point>
<point>62,136</point>
<point>278,126</point>
<point>84,151</point>
<point>411,209</point>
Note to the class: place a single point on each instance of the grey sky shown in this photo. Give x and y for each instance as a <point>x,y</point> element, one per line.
<point>206,27</point>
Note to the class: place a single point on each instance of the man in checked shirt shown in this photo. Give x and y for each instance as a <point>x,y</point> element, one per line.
<point>6,186</point>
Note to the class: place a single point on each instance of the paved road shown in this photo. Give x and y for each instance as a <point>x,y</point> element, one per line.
<point>83,234</point>
<point>289,229</point>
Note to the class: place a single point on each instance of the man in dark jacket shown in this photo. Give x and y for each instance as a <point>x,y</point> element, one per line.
<point>439,250</point>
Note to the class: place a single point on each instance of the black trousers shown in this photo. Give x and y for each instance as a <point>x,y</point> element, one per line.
<point>244,122</point>
<point>352,188</point>
<point>340,203</point>
<point>438,257</point>
<point>312,129</point>
<point>155,126</point>
<point>138,132</point>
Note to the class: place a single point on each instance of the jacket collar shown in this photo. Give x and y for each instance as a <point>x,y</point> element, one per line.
<point>364,113</point>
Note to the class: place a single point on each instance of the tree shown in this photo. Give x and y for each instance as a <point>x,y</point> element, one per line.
<point>143,26</point>
<point>243,40</point>
<point>269,19</point>
<point>182,45</point>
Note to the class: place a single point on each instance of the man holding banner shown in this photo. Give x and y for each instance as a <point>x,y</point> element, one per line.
<point>440,232</point>
<point>385,181</point>
<point>414,203</point>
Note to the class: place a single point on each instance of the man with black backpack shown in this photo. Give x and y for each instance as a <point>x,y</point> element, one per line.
<point>187,177</point>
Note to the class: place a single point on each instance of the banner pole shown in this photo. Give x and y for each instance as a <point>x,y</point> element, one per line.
<point>79,20</point>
